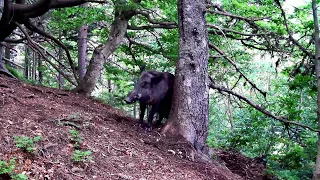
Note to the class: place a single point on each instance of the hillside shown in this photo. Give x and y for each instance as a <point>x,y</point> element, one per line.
<point>120,149</point>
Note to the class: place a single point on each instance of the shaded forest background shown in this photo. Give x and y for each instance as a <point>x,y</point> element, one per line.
<point>263,86</point>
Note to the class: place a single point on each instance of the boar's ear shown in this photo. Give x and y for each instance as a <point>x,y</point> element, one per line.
<point>156,76</point>
<point>142,68</point>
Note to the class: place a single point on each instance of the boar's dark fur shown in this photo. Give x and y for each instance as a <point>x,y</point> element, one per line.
<point>155,89</point>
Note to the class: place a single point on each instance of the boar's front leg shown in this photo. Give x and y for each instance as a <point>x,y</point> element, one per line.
<point>154,109</point>
<point>142,111</point>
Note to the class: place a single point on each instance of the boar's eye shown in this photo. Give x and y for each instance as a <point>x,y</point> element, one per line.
<point>144,84</point>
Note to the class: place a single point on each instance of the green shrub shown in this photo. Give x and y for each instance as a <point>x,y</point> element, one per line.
<point>25,143</point>
<point>19,176</point>
<point>8,168</point>
<point>81,156</point>
<point>75,138</point>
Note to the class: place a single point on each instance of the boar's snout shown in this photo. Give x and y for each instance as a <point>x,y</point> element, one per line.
<point>128,100</point>
<point>132,98</point>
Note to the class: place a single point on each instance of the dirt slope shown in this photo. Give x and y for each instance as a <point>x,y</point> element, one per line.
<point>120,149</point>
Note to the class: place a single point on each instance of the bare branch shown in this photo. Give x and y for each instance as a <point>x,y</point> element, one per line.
<point>13,63</point>
<point>236,67</point>
<point>34,46</point>
<point>259,108</point>
<point>21,12</point>
<point>233,31</point>
<point>152,21</point>
<point>14,40</point>
<point>155,26</point>
<point>257,47</point>
<point>291,38</point>
<point>225,13</point>
<point>40,7</point>
<point>132,54</point>
<point>32,27</point>
<point>150,49</point>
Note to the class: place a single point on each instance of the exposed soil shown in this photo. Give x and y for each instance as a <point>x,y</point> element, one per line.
<point>120,149</point>
<point>247,168</point>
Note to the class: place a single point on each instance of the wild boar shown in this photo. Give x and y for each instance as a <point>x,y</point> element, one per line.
<point>155,89</point>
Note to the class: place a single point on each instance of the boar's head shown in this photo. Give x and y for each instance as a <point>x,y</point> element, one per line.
<point>146,87</point>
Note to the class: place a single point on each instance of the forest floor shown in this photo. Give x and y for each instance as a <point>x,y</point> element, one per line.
<point>120,149</point>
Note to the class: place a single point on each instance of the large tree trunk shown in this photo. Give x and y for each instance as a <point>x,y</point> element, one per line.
<point>101,53</point>
<point>316,174</point>
<point>190,111</point>
<point>82,49</point>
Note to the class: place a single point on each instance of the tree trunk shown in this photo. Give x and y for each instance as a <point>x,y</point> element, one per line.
<point>316,174</point>
<point>26,62</point>
<point>135,110</point>
<point>1,52</point>
<point>34,66</point>
<point>3,69</point>
<point>60,55</point>
<point>40,74</point>
<point>229,111</point>
<point>82,49</point>
<point>2,66</point>
<point>109,86</point>
<point>7,53</point>
<point>101,53</point>
<point>190,110</point>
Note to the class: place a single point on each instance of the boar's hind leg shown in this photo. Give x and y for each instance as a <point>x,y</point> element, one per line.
<point>142,111</point>
<point>154,109</point>
<point>159,121</point>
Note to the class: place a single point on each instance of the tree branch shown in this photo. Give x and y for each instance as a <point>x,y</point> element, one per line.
<point>34,46</point>
<point>40,7</point>
<point>21,12</point>
<point>13,63</point>
<point>291,38</point>
<point>155,26</point>
<point>132,54</point>
<point>225,13</point>
<point>259,108</point>
<point>235,32</point>
<point>236,67</point>
<point>152,21</point>
<point>34,28</point>
<point>149,48</point>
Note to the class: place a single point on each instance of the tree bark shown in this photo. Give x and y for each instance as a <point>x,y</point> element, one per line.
<point>60,55</point>
<point>34,66</point>
<point>190,110</point>
<point>7,53</point>
<point>229,111</point>
<point>3,69</point>
<point>101,53</point>
<point>40,74</point>
<point>316,174</point>
<point>26,62</point>
<point>19,11</point>
<point>82,49</point>
<point>1,52</point>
